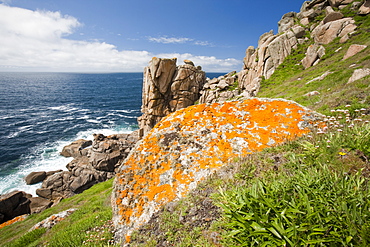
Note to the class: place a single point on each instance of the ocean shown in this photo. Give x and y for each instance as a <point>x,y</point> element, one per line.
<point>40,113</point>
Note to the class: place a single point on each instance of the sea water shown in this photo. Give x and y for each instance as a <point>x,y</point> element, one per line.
<point>40,113</point>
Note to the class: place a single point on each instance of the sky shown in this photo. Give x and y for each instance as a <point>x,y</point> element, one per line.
<point>123,35</point>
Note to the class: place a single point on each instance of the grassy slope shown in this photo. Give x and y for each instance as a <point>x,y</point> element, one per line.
<point>198,220</point>
<point>90,225</point>
<point>290,79</point>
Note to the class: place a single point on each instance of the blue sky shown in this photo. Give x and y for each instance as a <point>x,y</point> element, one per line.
<point>123,35</point>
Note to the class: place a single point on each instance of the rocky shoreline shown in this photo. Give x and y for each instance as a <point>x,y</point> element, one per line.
<point>94,161</point>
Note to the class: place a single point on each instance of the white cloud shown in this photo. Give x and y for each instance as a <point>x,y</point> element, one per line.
<point>180,40</point>
<point>37,41</point>
<point>166,40</point>
<point>211,64</point>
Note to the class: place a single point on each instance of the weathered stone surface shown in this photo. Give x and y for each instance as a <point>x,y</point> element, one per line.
<point>14,204</point>
<point>313,93</point>
<point>336,3</point>
<point>314,52</point>
<point>326,33</point>
<point>98,165</point>
<point>365,8</point>
<point>38,204</point>
<point>35,177</point>
<point>286,22</point>
<point>192,143</point>
<point>333,16</point>
<point>353,50</point>
<point>359,74</point>
<point>51,221</point>
<point>320,78</point>
<point>220,89</point>
<point>270,53</point>
<point>168,88</point>
<point>75,148</point>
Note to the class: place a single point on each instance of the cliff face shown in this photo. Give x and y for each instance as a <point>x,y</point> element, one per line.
<point>190,144</point>
<point>294,29</point>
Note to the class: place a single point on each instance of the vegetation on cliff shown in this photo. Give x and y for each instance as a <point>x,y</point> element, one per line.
<point>313,191</point>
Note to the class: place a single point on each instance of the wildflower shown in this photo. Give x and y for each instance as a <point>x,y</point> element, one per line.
<point>342,153</point>
<point>332,110</point>
<point>362,109</point>
<point>357,110</point>
<point>328,146</point>
<point>339,130</point>
<point>328,141</point>
<point>348,105</point>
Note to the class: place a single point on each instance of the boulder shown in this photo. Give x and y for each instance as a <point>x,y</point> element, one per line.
<point>75,148</point>
<point>353,50</point>
<point>313,93</point>
<point>359,74</point>
<point>14,204</point>
<point>52,220</point>
<point>39,204</point>
<point>326,33</point>
<point>191,144</point>
<point>189,62</point>
<point>286,22</point>
<point>85,171</point>
<point>222,84</point>
<point>336,3</point>
<point>56,186</point>
<point>365,8</point>
<point>313,54</point>
<point>35,177</point>
<point>333,16</point>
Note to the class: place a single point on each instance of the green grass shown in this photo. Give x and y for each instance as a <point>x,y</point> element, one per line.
<point>290,79</point>
<point>315,194</point>
<point>89,225</point>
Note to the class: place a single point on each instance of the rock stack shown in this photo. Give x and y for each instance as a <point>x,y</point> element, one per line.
<point>167,88</point>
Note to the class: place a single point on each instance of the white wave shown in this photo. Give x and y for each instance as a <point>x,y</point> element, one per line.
<point>65,108</point>
<point>12,135</point>
<point>25,128</point>
<point>62,119</point>
<point>46,157</point>
<point>93,121</point>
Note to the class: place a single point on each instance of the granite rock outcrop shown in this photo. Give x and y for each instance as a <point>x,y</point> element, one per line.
<point>293,29</point>
<point>93,165</point>
<point>167,88</point>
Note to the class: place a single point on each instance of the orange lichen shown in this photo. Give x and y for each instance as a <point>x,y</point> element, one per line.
<point>189,144</point>
<point>14,220</point>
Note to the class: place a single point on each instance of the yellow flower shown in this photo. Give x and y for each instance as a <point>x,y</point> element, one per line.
<point>342,153</point>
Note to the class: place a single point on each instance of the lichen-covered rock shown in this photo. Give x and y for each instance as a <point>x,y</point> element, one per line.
<point>192,143</point>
